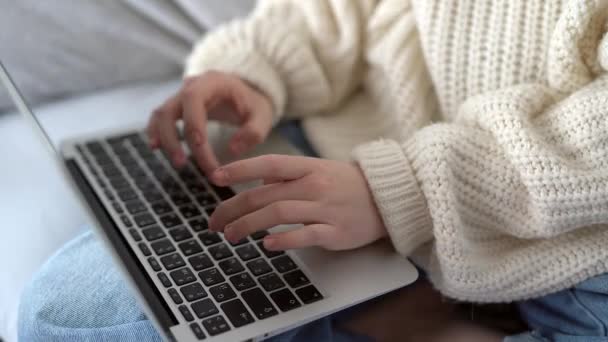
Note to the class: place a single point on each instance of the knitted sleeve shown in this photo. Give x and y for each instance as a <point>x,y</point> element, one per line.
<point>515,163</point>
<point>307,56</point>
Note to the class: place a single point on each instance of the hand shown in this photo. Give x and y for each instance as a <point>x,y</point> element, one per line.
<point>215,96</point>
<point>330,198</point>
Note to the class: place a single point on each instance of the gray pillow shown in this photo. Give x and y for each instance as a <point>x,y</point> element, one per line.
<point>64,47</point>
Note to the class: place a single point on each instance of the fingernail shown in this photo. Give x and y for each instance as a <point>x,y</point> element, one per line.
<point>269,242</point>
<point>220,175</point>
<point>179,159</point>
<point>153,142</point>
<point>228,232</point>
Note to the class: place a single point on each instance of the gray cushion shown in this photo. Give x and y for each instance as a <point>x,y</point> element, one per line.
<point>58,48</point>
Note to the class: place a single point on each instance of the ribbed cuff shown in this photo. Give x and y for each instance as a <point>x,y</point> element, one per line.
<point>238,57</point>
<point>397,194</point>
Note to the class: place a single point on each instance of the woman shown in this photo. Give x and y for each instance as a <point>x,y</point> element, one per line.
<point>481,143</point>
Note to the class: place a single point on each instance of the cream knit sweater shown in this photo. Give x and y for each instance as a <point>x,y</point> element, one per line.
<point>483,124</point>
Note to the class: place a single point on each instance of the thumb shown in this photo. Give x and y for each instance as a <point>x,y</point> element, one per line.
<point>253,131</point>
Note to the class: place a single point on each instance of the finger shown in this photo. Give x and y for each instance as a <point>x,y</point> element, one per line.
<point>195,99</point>
<point>283,212</point>
<point>255,199</point>
<point>306,236</point>
<point>152,131</point>
<point>277,166</point>
<point>167,117</point>
<point>252,132</point>
<point>172,104</point>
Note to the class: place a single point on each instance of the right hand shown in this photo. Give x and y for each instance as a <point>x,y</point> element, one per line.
<point>210,96</point>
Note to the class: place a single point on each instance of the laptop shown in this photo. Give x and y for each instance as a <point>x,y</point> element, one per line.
<point>192,283</point>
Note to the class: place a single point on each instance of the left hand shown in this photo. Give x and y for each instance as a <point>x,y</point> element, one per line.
<point>330,198</point>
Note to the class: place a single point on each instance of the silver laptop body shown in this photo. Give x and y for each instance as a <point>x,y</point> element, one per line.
<point>191,283</point>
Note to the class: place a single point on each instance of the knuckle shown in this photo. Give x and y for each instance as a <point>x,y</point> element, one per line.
<point>273,162</point>
<point>280,211</point>
<point>256,137</point>
<point>320,183</point>
<point>315,236</point>
<point>250,200</point>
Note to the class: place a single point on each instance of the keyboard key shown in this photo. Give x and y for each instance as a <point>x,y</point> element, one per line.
<point>197,331</point>
<point>269,254</point>
<point>189,211</point>
<point>200,262</point>
<point>170,220</point>
<point>198,224</point>
<point>196,188</point>
<point>206,200</point>
<point>190,247</point>
<point>209,238</point>
<point>283,264</point>
<point>180,199</point>
<point>154,264</point>
<point>126,221</point>
<point>162,247</point>
<point>271,282</point>
<point>182,276</point>
<point>309,294</point>
<point>216,325</point>
<point>285,300</point>
<point>222,292</point>
<point>259,235</point>
<point>164,279</point>
<point>180,233</point>
<point>237,313</point>
<point>135,207</point>
<point>242,281</point>
<point>258,303</point>
<point>240,242</point>
<point>171,186</point>
<point>143,184</point>
<point>186,313</point>
<point>153,233</point>
<point>119,183</point>
<point>127,194</point>
<point>135,234</point>
<point>221,251</point>
<point>187,175</point>
<point>117,207</point>
<point>172,261</point>
<point>111,171</point>
<point>193,292</point>
<point>231,266</point>
<point>247,252</point>
<point>296,278</point>
<point>144,249</point>
<point>209,211</point>
<point>161,208</point>
<point>204,308</point>
<point>211,276</point>
<point>259,267</point>
<point>109,195</point>
<point>143,220</point>
<point>223,192</point>
<point>177,299</point>
<point>152,196</point>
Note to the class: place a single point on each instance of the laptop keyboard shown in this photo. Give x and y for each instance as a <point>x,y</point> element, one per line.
<point>216,285</point>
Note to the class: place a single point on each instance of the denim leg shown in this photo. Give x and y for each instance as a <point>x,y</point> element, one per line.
<point>574,315</point>
<point>79,294</point>
<point>292,131</point>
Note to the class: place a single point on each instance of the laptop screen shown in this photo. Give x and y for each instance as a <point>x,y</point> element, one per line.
<point>23,107</point>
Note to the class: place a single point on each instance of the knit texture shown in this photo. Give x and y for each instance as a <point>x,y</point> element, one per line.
<point>482,125</point>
